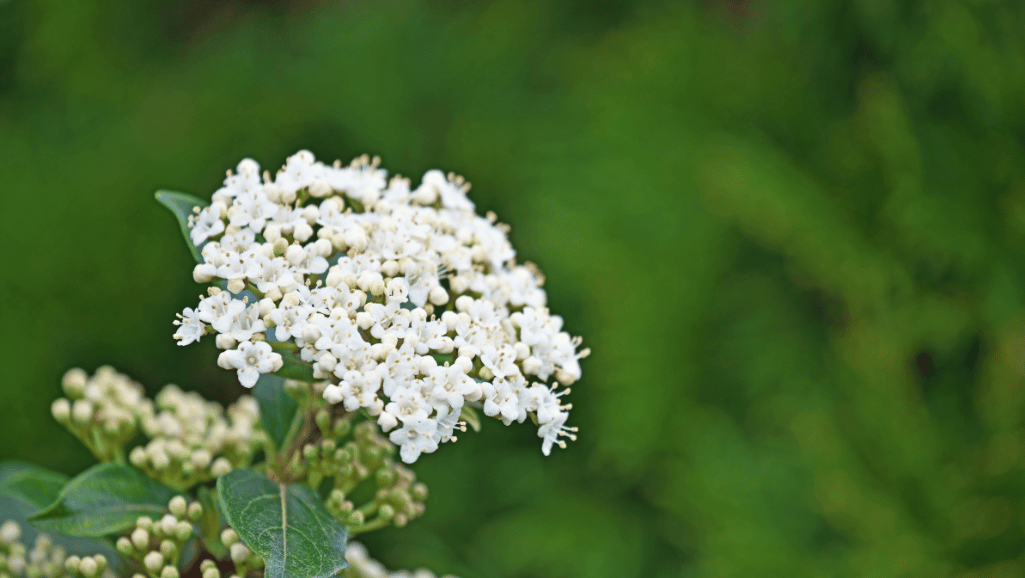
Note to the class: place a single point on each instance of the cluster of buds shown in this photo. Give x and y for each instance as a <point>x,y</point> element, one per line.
<point>45,559</point>
<point>398,498</point>
<point>157,545</point>
<point>361,565</point>
<point>242,557</point>
<point>195,440</point>
<point>101,410</point>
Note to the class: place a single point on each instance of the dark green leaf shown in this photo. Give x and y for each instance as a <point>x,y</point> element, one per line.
<point>24,489</point>
<point>182,206</point>
<point>294,368</point>
<point>104,499</point>
<point>277,409</point>
<point>210,525</point>
<point>31,484</point>
<point>287,525</point>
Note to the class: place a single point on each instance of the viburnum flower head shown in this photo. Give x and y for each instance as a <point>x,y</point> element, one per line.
<point>405,302</point>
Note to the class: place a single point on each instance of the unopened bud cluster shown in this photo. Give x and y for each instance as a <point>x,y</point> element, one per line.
<point>397,497</point>
<point>408,302</point>
<point>45,559</point>
<point>102,410</point>
<point>194,440</point>
<point>361,565</point>
<point>157,544</point>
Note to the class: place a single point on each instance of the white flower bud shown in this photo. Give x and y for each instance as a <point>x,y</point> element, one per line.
<point>272,191</point>
<point>225,341</point>
<point>82,411</point>
<point>178,506</point>
<point>364,320</point>
<point>169,572</point>
<point>61,410</point>
<point>311,333</point>
<point>168,524</point>
<point>10,531</point>
<point>323,248</point>
<point>438,296</point>
<point>387,421</point>
<point>522,350</point>
<point>266,306</point>
<point>274,294</point>
<point>220,467</point>
<point>458,284</point>
<point>450,318</point>
<point>74,382</point>
<point>236,285</point>
<point>229,538</point>
<point>356,238</point>
<point>427,363</point>
<point>463,303</point>
<point>531,365</point>
<point>334,278</point>
<point>302,232</point>
<point>333,394</point>
<point>153,561</point>
<point>319,188</point>
<point>476,394</point>
<point>201,459</point>
<point>88,567</point>
<point>287,197</point>
<point>239,553</point>
<point>295,254</point>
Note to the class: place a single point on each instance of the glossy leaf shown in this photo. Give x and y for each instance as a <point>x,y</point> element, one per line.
<point>182,206</point>
<point>31,484</point>
<point>104,499</point>
<point>24,489</point>
<point>211,524</point>
<point>277,409</point>
<point>294,368</point>
<point>286,524</point>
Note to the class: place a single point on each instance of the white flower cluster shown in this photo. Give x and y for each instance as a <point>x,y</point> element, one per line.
<point>194,439</point>
<point>361,565</point>
<point>406,300</point>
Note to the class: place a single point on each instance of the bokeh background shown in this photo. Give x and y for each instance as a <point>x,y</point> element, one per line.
<point>791,231</point>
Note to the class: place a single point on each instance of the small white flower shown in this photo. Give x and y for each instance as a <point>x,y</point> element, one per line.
<point>250,359</point>
<point>190,328</point>
<point>414,439</point>
<point>207,224</point>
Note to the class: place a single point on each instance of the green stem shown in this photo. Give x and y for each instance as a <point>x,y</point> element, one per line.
<point>375,524</point>
<point>255,291</point>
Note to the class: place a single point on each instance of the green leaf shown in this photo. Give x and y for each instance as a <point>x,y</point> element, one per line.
<point>294,368</point>
<point>104,499</point>
<point>277,409</point>
<point>469,415</point>
<point>287,525</point>
<point>31,484</point>
<point>182,206</point>
<point>211,525</point>
<point>24,489</point>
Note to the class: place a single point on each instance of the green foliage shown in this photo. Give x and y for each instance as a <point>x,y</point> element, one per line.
<point>24,490</point>
<point>278,410</point>
<point>104,500</point>
<point>791,232</point>
<point>286,524</point>
<point>183,206</point>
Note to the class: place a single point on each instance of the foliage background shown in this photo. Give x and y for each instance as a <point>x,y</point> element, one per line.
<point>790,231</point>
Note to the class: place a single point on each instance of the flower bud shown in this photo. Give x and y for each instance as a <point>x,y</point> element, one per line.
<point>153,561</point>
<point>124,545</point>
<point>438,296</point>
<point>71,564</point>
<point>183,531</point>
<point>236,285</point>
<point>178,506</point>
<point>74,382</point>
<point>168,549</point>
<point>195,511</point>
<point>61,410</point>
<point>356,238</point>
<point>169,572</point>
<point>220,467</point>
<point>229,538</point>
<point>239,553</point>
<point>82,411</point>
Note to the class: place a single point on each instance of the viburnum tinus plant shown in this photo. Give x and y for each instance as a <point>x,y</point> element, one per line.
<point>373,321</point>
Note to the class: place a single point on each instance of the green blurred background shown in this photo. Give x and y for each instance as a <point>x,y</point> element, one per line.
<point>791,231</point>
